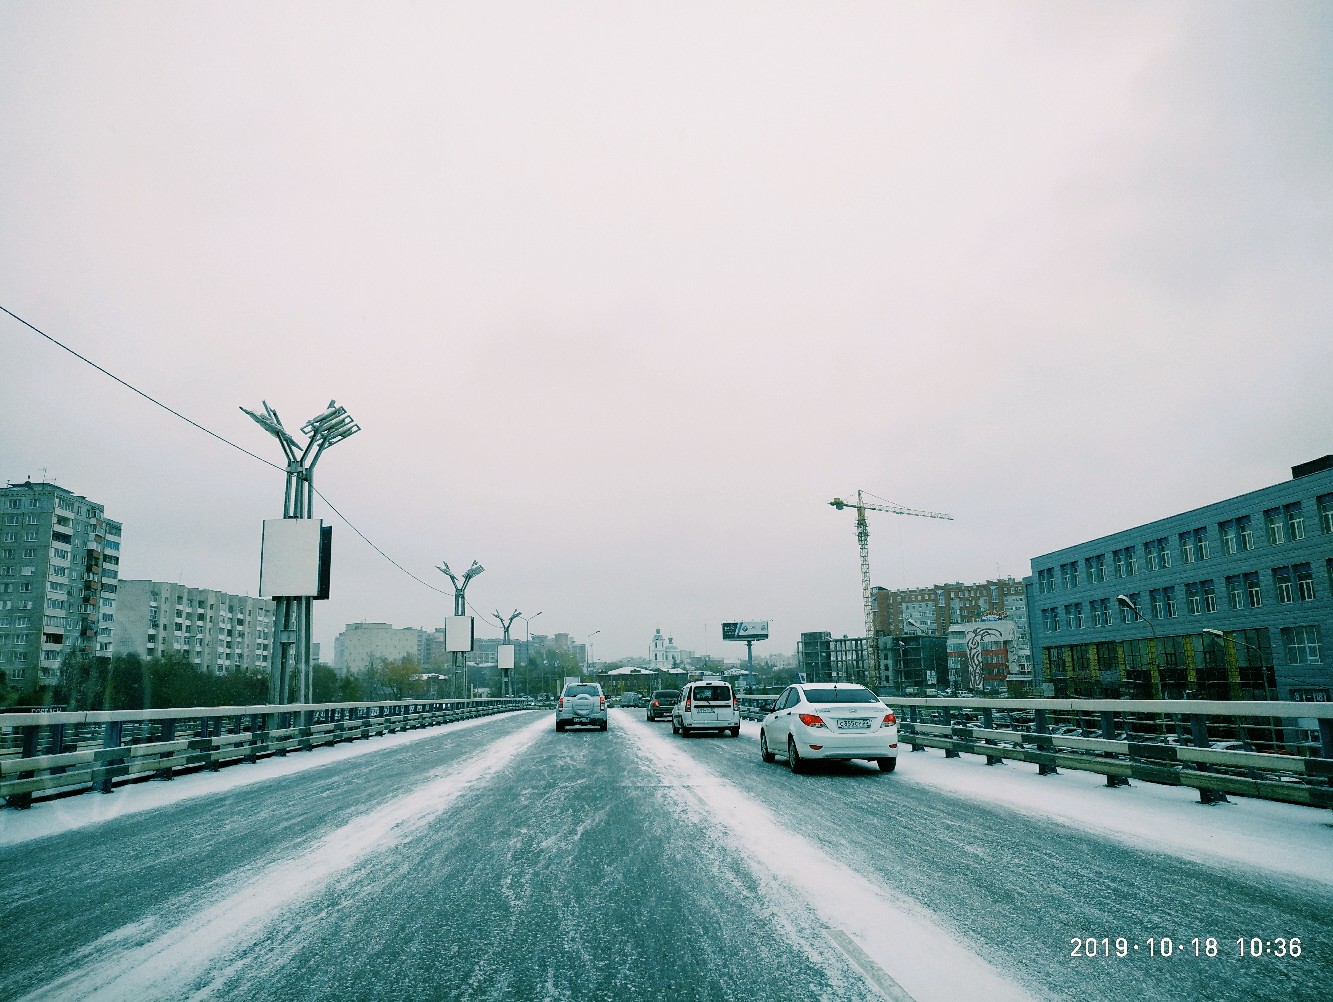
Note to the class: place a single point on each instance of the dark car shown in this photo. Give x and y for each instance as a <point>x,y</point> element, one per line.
<point>661,703</point>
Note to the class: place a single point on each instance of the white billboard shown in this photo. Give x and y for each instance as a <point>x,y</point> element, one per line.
<point>289,558</point>
<point>751,629</point>
<point>458,633</point>
<point>506,656</point>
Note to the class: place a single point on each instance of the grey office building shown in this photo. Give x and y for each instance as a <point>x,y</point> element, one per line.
<point>1256,569</point>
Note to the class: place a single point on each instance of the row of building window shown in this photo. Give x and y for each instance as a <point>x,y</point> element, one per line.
<point>1236,535</point>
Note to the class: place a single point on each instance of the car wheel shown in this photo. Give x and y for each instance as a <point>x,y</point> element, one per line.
<point>764,753</point>
<point>604,723</point>
<point>887,764</point>
<point>559,726</point>
<point>736,731</point>
<point>794,757</point>
<point>675,727</point>
<point>685,731</point>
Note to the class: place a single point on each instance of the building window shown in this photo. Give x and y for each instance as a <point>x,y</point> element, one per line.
<point>1304,582</point>
<point>1096,567</point>
<point>1193,599</point>
<point>1201,542</point>
<point>1150,554</point>
<point>1302,643</point>
<point>1186,547</point>
<point>1209,596</point>
<point>1158,605</point>
<point>1295,519</point>
<point>1252,590</point>
<point>1276,529</point>
<point>1245,527</point>
<point>1282,584</point>
<point>1325,503</point>
<point>1069,574</point>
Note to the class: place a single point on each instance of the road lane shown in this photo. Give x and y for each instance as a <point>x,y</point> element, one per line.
<point>569,873</point>
<point>1019,888</point>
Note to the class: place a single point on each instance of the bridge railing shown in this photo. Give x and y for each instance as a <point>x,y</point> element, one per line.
<point>1217,747</point>
<point>76,752</point>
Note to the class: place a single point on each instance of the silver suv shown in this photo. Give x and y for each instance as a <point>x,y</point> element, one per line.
<point>706,706</point>
<point>582,704</point>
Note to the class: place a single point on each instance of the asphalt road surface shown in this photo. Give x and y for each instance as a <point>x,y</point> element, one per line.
<point>505,861</point>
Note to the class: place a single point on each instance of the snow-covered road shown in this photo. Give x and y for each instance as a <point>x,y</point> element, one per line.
<point>504,861</point>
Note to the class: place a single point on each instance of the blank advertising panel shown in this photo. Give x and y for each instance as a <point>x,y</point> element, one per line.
<point>506,656</point>
<point>458,633</point>
<point>289,558</point>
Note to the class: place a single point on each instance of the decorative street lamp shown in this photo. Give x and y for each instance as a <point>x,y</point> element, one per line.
<point>506,687</point>
<point>587,644</point>
<point>460,610</point>
<point>294,614</point>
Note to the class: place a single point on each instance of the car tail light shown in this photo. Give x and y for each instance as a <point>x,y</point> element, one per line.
<point>889,718</point>
<point>603,702</point>
<point>560,701</point>
<point>654,702</point>
<point>687,704</point>
<point>735,703</point>
<point>812,720</point>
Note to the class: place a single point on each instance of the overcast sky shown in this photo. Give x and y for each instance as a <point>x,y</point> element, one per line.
<point>622,294</point>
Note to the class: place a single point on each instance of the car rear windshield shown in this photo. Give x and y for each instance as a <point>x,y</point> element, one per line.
<point>583,690</point>
<point>662,694</point>
<point>712,693</point>
<point>857,695</point>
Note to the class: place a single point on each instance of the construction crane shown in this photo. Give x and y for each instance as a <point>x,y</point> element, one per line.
<point>863,540</point>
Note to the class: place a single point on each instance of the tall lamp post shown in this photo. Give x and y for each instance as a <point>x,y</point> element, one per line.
<point>1125,602</point>
<point>588,648</point>
<point>294,614</point>
<point>506,686</point>
<point>1263,669</point>
<point>527,646</point>
<point>460,609</point>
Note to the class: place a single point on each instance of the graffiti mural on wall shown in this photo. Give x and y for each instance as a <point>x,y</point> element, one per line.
<point>976,664</point>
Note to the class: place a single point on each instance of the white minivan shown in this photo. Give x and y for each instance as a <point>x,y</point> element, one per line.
<point>706,706</point>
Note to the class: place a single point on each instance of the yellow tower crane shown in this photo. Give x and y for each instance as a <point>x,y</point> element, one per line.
<point>863,539</point>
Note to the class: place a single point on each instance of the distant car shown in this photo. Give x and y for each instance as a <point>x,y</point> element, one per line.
<point>631,699</point>
<point>661,702</point>
<point>706,706</point>
<point>582,704</point>
<point>829,720</point>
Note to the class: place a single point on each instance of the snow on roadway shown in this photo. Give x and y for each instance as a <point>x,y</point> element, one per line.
<point>1287,840</point>
<point>132,964</point>
<point>52,817</point>
<point>898,945</point>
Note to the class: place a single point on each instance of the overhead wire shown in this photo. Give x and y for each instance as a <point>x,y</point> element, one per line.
<point>226,441</point>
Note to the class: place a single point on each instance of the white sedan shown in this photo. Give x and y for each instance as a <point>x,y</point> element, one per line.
<point>829,720</point>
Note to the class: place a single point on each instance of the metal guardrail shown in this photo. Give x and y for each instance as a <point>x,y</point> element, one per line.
<point>1157,741</point>
<point>76,752</point>
<point>754,707</point>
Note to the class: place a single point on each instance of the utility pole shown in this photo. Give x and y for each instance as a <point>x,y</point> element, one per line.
<point>294,614</point>
<point>460,612</point>
<point>506,686</point>
<point>863,541</point>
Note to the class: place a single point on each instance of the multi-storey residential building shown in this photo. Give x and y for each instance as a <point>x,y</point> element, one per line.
<point>219,632</point>
<point>362,644</point>
<point>935,609</point>
<point>1229,601</point>
<point>59,564</point>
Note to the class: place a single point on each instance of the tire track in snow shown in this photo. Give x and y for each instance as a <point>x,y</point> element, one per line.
<point>905,945</point>
<point>177,963</point>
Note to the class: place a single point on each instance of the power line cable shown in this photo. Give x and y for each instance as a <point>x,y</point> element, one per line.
<point>220,438</point>
<point>135,389</point>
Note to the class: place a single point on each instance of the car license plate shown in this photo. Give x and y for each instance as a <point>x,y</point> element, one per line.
<point>703,713</point>
<point>861,724</point>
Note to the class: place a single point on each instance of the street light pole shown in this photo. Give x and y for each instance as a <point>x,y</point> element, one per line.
<point>527,646</point>
<point>460,609</point>
<point>588,648</point>
<point>506,686</point>
<point>293,620</point>
<point>1125,602</point>
<point>1263,669</point>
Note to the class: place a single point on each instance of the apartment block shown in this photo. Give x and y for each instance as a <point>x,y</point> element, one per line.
<point>936,608</point>
<point>218,631</point>
<point>59,565</point>
<point>362,644</point>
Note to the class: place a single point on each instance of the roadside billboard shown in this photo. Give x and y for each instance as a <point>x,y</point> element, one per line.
<point>746,629</point>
